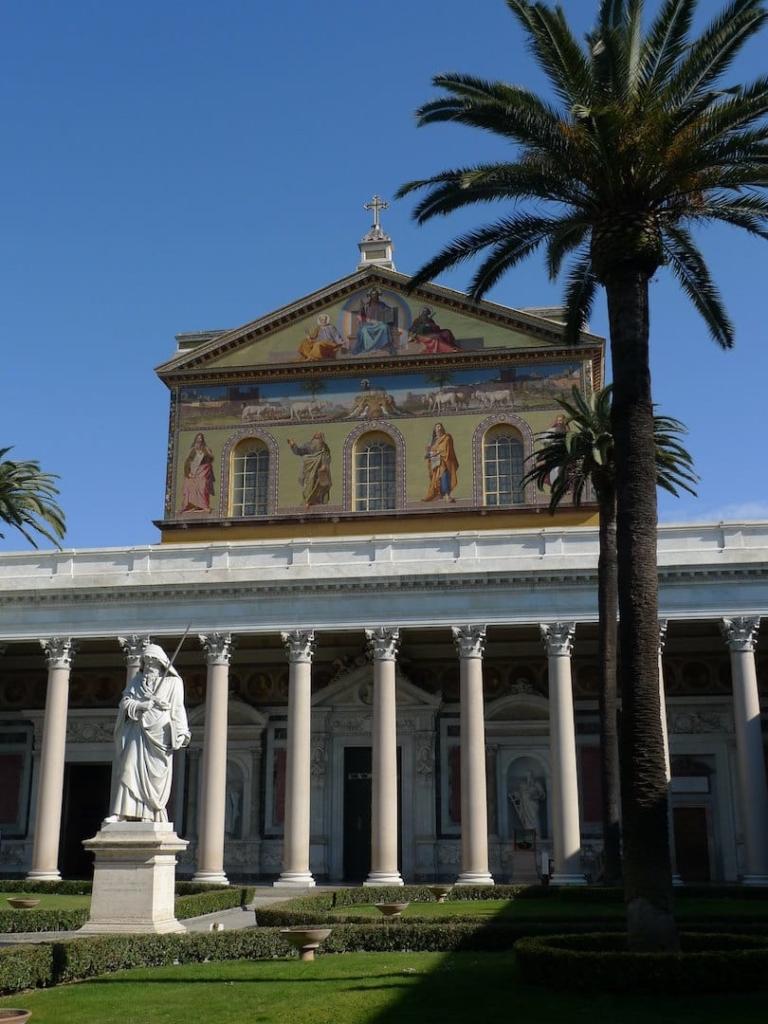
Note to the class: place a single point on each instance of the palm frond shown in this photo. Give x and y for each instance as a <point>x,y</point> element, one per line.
<point>27,500</point>
<point>556,50</point>
<point>665,43</point>
<point>691,271</point>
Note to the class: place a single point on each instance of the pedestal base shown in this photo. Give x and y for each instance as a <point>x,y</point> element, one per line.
<point>134,875</point>
<point>755,880</point>
<point>379,878</point>
<point>294,880</point>
<point>474,878</point>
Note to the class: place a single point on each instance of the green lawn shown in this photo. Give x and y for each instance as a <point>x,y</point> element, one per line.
<point>554,909</point>
<point>359,988</point>
<point>48,901</point>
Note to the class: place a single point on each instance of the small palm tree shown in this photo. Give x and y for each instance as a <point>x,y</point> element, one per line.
<point>570,459</point>
<point>640,143</point>
<point>27,500</point>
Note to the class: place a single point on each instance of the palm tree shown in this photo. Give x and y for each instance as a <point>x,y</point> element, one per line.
<point>569,460</point>
<point>641,144</point>
<point>27,500</point>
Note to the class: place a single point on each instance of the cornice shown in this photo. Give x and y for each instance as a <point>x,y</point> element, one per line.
<point>398,583</point>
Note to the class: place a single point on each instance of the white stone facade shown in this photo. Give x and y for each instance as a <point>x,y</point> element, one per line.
<point>289,822</point>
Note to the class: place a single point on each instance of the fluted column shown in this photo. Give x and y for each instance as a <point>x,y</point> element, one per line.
<point>676,879</point>
<point>383,644</point>
<point>741,637</point>
<point>45,852</point>
<point>300,647</point>
<point>566,830</point>
<point>470,641</point>
<point>213,785</point>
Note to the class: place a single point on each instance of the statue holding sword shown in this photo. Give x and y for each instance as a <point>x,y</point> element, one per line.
<point>151,724</point>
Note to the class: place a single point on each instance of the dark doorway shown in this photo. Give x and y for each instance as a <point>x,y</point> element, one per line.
<point>692,844</point>
<point>357,813</point>
<point>85,805</point>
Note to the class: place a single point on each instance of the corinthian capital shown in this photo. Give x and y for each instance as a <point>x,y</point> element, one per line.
<point>469,640</point>
<point>133,647</point>
<point>217,647</point>
<point>383,643</point>
<point>59,651</point>
<point>300,644</point>
<point>558,638</point>
<point>741,634</point>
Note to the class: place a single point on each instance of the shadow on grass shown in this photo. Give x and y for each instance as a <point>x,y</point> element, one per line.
<point>478,980</point>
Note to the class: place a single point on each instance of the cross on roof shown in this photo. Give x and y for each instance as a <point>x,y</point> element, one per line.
<point>377,204</point>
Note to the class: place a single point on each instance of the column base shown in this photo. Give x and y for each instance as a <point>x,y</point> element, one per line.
<point>383,878</point>
<point>210,877</point>
<point>294,880</point>
<point>755,880</point>
<point>677,881</point>
<point>564,879</point>
<point>474,878</point>
<point>44,876</point>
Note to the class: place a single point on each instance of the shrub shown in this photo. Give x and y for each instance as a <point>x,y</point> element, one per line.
<point>209,901</point>
<point>61,888</point>
<point>600,962</point>
<point>23,967</point>
<point>15,921</point>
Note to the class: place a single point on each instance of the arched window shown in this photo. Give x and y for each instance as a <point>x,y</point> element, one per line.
<point>502,466</point>
<point>375,463</point>
<point>250,478</point>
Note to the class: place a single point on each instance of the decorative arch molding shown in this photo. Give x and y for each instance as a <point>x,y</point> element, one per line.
<point>507,419</point>
<point>235,438</point>
<point>373,427</point>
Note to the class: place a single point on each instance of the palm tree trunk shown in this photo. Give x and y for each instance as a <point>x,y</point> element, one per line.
<point>647,866</point>
<point>608,607</point>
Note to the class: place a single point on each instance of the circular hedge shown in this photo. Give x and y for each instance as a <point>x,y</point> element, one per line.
<point>601,962</point>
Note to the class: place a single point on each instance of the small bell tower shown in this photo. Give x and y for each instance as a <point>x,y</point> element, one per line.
<point>376,247</point>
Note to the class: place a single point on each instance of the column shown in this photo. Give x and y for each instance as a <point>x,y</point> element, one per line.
<point>383,644</point>
<point>741,637</point>
<point>213,785</point>
<point>45,851</point>
<point>470,641</point>
<point>566,830</point>
<point>676,879</point>
<point>296,874</point>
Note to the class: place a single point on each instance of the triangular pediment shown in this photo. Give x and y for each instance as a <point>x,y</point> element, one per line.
<point>324,328</point>
<point>354,688</point>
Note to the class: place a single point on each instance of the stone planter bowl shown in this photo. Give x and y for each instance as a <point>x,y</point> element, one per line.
<point>19,903</point>
<point>391,909</point>
<point>9,1016</point>
<point>440,892</point>
<point>306,940</point>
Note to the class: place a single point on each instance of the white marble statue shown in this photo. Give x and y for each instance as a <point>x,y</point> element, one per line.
<point>526,798</point>
<point>151,724</point>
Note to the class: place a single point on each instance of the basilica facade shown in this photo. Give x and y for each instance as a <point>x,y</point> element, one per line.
<point>389,646</point>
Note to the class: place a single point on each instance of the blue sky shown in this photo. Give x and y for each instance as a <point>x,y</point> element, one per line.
<point>179,166</point>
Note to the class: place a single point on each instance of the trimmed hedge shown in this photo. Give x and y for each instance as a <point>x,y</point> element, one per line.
<point>601,962</point>
<point>69,887</point>
<point>23,967</point>
<point>206,900</point>
<point>66,888</point>
<point>57,920</point>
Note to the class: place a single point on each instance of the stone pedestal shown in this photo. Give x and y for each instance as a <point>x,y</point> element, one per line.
<point>134,878</point>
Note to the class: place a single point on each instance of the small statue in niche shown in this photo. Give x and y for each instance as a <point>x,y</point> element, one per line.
<point>151,724</point>
<point>526,799</point>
